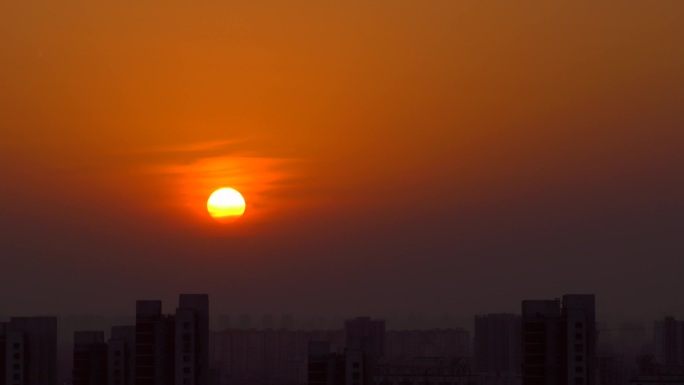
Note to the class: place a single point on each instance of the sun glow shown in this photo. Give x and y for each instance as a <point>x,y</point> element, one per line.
<point>226,204</point>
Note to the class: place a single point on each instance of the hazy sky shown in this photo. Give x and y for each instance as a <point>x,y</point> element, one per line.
<point>395,156</point>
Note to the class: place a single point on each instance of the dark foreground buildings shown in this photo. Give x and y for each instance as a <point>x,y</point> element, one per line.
<point>160,349</point>
<point>559,341</point>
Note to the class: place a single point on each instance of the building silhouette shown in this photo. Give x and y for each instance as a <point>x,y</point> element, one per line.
<point>29,351</point>
<point>559,341</point>
<point>192,339</point>
<point>121,356</point>
<point>154,344</point>
<point>90,358</point>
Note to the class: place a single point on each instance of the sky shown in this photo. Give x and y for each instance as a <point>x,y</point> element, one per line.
<point>432,157</point>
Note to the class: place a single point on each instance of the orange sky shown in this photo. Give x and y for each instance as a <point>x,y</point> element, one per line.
<point>337,121</point>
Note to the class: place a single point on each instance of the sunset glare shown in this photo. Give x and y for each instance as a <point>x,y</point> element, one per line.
<point>341,158</point>
<point>226,203</point>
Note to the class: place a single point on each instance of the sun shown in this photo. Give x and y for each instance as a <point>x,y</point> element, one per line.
<point>226,204</point>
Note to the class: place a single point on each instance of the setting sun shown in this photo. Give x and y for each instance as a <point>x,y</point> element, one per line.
<point>225,204</point>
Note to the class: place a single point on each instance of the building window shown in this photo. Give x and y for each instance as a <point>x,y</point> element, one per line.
<point>578,336</point>
<point>579,347</point>
<point>578,325</point>
<point>578,369</point>
<point>355,365</point>
<point>579,358</point>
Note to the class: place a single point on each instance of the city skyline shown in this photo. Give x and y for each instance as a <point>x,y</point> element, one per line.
<point>433,157</point>
<point>550,341</point>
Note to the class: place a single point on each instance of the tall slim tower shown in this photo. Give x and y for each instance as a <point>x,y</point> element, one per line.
<point>154,344</point>
<point>578,341</point>
<point>192,339</point>
<point>121,356</point>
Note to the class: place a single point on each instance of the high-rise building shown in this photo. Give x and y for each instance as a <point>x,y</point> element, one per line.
<point>192,339</point>
<point>30,351</point>
<point>90,358</point>
<point>498,347</point>
<point>154,344</point>
<point>121,356</point>
<point>559,341</point>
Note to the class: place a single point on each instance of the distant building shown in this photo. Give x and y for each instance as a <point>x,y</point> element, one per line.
<point>268,357</point>
<point>29,347</point>
<point>669,344</point>
<point>287,322</point>
<point>421,371</point>
<point>90,358</point>
<point>449,344</point>
<point>245,321</point>
<point>610,370</point>
<point>559,341</point>
<point>268,322</point>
